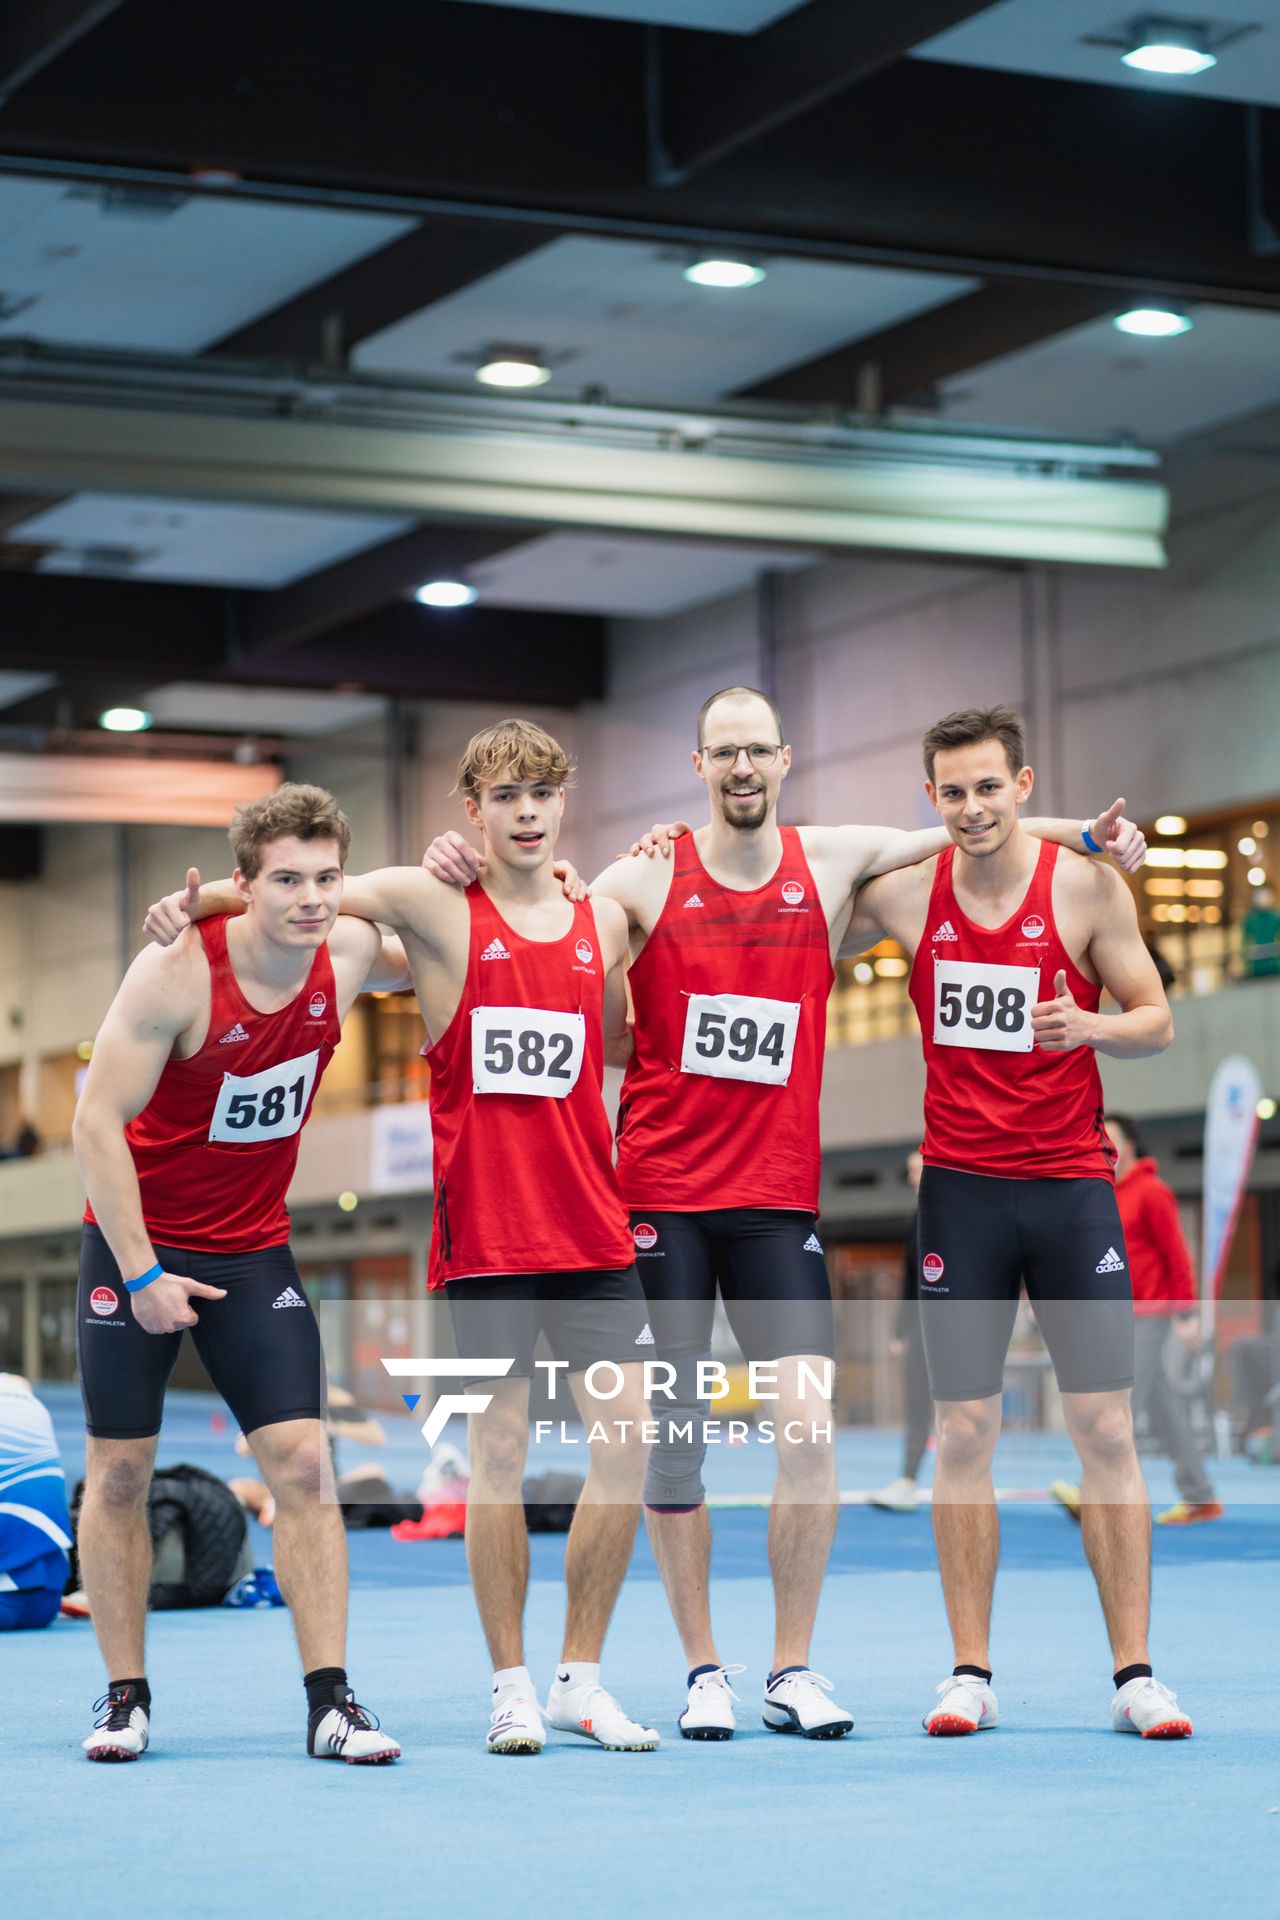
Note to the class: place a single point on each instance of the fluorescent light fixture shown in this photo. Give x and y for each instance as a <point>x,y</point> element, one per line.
<point>125,720</point>
<point>513,370</point>
<point>1171,823</point>
<point>1169,48</point>
<point>724,273</point>
<point>1152,323</point>
<point>446,593</point>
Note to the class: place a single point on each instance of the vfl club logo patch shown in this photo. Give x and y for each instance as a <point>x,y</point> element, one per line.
<point>585,952</point>
<point>318,1003</point>
<point>932,1268</point>
<point>645,1236</point>
<point>1033,927</point>
<point>103,1301</point>
<point>792,892</point>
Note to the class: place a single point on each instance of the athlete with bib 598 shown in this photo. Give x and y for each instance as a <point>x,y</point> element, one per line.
<point>1014,944</point>
<point>719,1157</point>
<point>202,1078</point>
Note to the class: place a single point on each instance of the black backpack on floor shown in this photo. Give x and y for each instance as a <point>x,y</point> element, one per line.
<point>199,1537</point>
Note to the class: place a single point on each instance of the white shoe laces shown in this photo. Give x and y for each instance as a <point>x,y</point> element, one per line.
<point>517,1703</point>
<point>717,1678</point>
<point>968,1681</point>
<point>1148,1684</point>
<point>805,1677</point>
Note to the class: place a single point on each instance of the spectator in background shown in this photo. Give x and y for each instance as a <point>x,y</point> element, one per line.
<point>26,1142</point>
<point>1164,1290</point>
<point>35,1527</point>
<point>900,1495</point>
<point>1261,932</point>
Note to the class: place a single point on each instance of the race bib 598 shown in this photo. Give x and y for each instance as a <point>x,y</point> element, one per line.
<point>976,1005</point>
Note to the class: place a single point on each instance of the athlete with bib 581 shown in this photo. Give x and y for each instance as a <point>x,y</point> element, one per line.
<point>202,1078</point>
<point>1014,944</point>
<point>719,1157</point>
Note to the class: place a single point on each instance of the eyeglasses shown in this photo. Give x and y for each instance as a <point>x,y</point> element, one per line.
<point>758,753</point>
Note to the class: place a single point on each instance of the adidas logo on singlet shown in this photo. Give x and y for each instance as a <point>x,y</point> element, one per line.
<point>237,1033</point>
<point>289,1298</point>
<point>946,932</point>
<point>495,951</point>
<point>645,1337</point>
<point>812,1244</point>
<point>693,901</point>
<point>1110,1262</point>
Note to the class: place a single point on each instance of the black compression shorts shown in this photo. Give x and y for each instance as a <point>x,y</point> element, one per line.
<point>979,1238</point>
<point>261,1344</point>
<point>587,1316</point>
<point>770,1269</point>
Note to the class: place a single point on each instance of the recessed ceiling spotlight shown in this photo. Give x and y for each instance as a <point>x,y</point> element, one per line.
<point>1153,323</point>
<point>1171,823</point>
<point>1174,48</point>
<point>724,273</point>
<point>446,593</point>
<point>513,367</point>
<point>125,720</point>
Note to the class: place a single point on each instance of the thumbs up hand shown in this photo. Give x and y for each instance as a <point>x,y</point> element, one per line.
<point>169,917</point>
<point>1061,1024</point>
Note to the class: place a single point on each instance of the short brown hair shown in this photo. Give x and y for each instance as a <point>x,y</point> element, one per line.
<point>727,693</point>
<point>970,727</point>
<point>291,812</point>
<point>515,750</point>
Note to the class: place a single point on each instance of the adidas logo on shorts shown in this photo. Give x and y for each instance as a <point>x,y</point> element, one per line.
<point>946,932</point>
<point>1110,1262</point>
<point>813,1244</point>
<point>237,1033</point>
<point>495,951</point>
<point>645,1337</point>
<point>693,901</point>
<point>289,1298</point>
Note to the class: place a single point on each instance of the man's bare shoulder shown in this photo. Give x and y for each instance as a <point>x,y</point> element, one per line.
<point>634,882</point>
<point>355,940</point>
<point>903,884</point>
<point>1093,885</point>
<point>166,987</point>
<point>611,917</point>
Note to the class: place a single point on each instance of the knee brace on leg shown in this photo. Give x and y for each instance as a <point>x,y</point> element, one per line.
<point>673,1482</point>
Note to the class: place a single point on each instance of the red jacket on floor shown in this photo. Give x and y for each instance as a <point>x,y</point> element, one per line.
<point>1159,1264</point>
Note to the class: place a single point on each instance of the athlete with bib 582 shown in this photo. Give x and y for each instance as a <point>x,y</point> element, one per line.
<point>202,1077</point>
<point>1014,943</point>
<point>522,992</point>
<point>719,1159</point>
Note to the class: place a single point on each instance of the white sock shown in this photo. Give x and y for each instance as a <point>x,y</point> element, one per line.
<point>513,1680</point>
<point>578,1673</point>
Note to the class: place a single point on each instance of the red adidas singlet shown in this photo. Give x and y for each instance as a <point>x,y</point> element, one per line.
<point>994,1103</point>
<point>720,1101</point>
<point>524,1179</point>
<point>216,1145</point>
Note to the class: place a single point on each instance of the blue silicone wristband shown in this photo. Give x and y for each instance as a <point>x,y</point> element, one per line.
<point>144,1279</point>
<point>1088,838</point>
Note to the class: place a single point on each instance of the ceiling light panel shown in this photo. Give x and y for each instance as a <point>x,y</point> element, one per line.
<point>201,542</point>
<point>1094,381</point>
<point>175,284</point>
<point>620,315</point>
<point>717,16</point>
<point>1085,39</point>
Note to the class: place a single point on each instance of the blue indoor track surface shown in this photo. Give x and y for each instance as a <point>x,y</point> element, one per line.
<point>1050,1815</point>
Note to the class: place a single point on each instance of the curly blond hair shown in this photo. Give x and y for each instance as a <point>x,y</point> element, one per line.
<point>514,750</point>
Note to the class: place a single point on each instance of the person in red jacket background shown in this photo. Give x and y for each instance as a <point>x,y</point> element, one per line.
<point>1164,1289</point>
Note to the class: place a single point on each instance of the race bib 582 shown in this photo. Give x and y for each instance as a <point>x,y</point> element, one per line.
<point>526,1050</point>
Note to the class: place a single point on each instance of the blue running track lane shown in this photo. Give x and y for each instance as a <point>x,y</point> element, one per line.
<point>1050,1817</point>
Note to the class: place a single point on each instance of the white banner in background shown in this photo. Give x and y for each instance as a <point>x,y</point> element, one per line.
<point>1230,1135</point>
<point>400,1149</point>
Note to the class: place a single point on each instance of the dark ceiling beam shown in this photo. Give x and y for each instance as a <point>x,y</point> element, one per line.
<point>269,624</point>
<point>425,266</point>
<point>907,361</point>
<point>33,33</point>
<point>717,92</point>
<point>473,653</point>
<point>67,624</point>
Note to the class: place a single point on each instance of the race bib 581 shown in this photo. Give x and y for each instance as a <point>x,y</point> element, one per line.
<point>264,1106</point>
